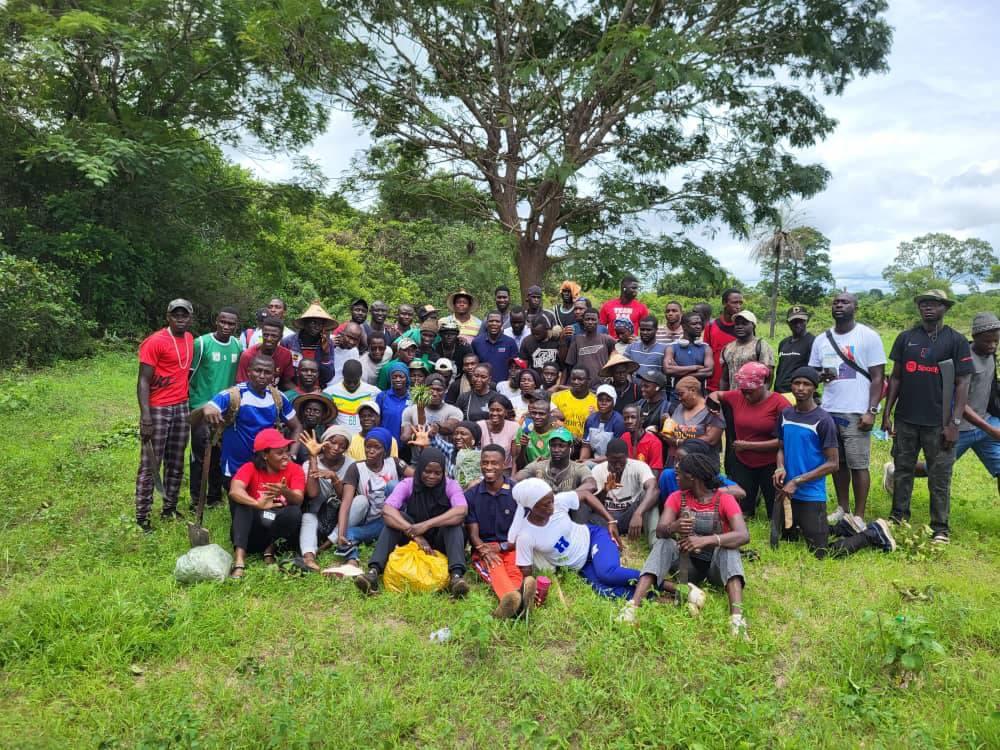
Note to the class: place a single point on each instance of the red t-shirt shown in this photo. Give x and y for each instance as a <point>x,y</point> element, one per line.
<point>170,357</point>
<point>717,334</point>
<point>755,422</point>
<point>282,363</point>
<point>615,309</point>
<point>255,480</point>
<point>649,449</point>
<point>728,507</point>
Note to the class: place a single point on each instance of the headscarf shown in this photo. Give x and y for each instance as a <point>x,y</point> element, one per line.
<point>428,502</point>
<point>752,376</point>
<point>382,435</point>
<point>397,366</point>
<point>528,492</point>
<point>336,429</point>
<point>472,427</point>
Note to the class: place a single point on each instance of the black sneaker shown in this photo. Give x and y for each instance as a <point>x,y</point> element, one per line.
<point>842,529</point>
<point>878,530</point>
<point>940,537</point>
<point>145,525</point>
<point>367,583</point>
<point>171,514</point>
<point>458,588</point>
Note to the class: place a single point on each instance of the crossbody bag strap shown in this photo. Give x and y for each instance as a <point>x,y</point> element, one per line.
<point>849,362</point>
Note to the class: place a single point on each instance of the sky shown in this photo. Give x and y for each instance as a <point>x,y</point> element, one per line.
<point>917,149</point>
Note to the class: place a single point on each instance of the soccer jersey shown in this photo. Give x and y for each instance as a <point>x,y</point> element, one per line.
<point>213,369</point>
<point>804,437</point>
<point>347,402</point>
<point>575,410</point>
<point>256,413</point>
<point>170,357</point>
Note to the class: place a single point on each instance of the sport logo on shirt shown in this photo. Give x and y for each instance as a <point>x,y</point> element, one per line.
<point>562,545</point>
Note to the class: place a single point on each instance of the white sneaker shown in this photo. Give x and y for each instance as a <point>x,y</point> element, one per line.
<point>888,476</point>
<point>628,613</point>
<point>834,518</point>
<point>738,626</point>
<point>696,599</point>
<point>857,523</point>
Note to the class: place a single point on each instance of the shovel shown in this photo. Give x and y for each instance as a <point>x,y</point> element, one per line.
<point>198,534</point>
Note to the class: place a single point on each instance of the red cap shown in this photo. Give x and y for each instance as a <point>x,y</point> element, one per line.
<point>270,438</point>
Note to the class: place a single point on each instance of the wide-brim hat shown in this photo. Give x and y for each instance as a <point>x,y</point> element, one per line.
<point>937,295</point>
<point>329,410</point>
<point>460,293</point>
<point>617,359</point>
<point>315,310</point>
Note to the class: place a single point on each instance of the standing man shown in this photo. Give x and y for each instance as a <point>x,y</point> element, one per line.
<point>794,350</point>
<point>673,330</point>
<point>348,346</point>
<point>689,355</point>
<point>590,350</point>
<point>569,291</point>
<point>626,306</point>
<point>162,389</point>
<point>980,429</point>
<point>720,332</point>
<point>495,349</point>
<point>539,348</point>
<point>745,348</point>
<point>348,393</point>
<point>449,347</point>
<point>270,346</point>
<point>928,390</point>
<point>213,369</point>
<point>501,297</point>
<point>404,323</point>
<point>312,341</point>
<point>647,351</point>
<point>533,306</point>
<point>461,304</point>
<point>517,325</point>
<point>275,309</point>
<point>851,361</point>
<point>377,355</point>
<point>379,312</point>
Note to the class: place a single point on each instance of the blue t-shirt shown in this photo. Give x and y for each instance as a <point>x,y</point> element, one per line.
<point>493,513</point>
<point>597,434</point>
<point>497,354</point>
<point>649,359</point>
<point>804,437</point>
<point>256,413</point>
<point>668,483</point>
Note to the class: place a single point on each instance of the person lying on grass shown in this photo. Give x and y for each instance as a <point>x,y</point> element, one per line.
<point>709,529</point>
<point>429,509</point>
<point>545,531</point>
<point>328,465</point>
<point>265,498</point>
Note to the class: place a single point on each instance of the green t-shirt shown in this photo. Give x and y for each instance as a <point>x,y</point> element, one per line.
<point>213,368</point>
<point>538,444</point>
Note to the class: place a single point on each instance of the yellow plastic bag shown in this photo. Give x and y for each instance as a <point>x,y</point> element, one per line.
<point>411,569</point>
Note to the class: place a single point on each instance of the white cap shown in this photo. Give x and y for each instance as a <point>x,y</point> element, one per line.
<point>529,491</point>
<point>608,391</point>
<point>371,405</point>
<point>444,365</point>
<point>747,316</point>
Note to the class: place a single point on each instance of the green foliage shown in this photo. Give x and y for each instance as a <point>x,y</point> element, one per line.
<point>915,542</point>
<point>941,256</point>
<point>904,643</point>
<point>43,321</point>
<point>806,280</point>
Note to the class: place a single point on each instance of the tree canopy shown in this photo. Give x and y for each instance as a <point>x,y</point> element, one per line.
<point>970,261</point>
<point>576,117</point>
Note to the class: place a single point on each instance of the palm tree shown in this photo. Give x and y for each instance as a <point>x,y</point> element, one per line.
<point>777,244</point>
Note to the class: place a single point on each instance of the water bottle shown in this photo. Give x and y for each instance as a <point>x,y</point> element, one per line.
<point>441,636</point>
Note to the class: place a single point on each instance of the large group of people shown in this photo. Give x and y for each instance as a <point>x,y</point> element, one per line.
<point>534,438</point>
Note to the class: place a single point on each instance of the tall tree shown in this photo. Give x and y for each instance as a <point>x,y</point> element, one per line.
<point>778,245</point>
<point>807,279</point>
<point>958,261</point>
<point>577,116</point>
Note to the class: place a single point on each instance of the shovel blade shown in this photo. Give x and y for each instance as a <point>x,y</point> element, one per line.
<point>197,535</point>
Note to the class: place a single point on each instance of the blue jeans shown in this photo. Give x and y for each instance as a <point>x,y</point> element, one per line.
<point>365,533</point>
<point>603,570</point>
<point>982,445</point>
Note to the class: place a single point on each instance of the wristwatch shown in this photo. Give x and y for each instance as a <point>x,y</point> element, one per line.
<point>956,421</point>
<point>873,409</point>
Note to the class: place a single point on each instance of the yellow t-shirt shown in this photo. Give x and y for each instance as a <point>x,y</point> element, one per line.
<point>356,449</point>
<point>575,410</point>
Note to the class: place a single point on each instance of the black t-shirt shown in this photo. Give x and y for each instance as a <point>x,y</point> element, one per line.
<point>629,396</point>
<point>791,356</point>
<point>475,407</point>
<point>458,355</point>
<point>563,319</point>
<point>539,354</point>
<point>916,358</point>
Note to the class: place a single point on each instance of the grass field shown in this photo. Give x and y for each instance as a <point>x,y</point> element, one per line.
<point>99,647</point>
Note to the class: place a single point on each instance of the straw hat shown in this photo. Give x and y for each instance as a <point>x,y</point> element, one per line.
<point>460,293</point>
<point>329,409</point>
<point>315,310</point>
<point>617,359</point>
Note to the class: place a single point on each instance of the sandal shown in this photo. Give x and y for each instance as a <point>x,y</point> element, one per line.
<point>233,572</point>
<point>269,558</point>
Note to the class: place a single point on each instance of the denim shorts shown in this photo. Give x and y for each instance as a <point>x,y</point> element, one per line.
<point>855,443</point>
<point>983,445</point>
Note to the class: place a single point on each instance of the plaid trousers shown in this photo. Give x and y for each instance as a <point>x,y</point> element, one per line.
<point>170,437</point>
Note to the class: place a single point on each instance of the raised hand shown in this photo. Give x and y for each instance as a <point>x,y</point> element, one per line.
<point>308,439</point>
<point>421,436</point>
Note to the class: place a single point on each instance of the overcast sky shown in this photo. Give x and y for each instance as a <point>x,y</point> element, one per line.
<point>917,150</point>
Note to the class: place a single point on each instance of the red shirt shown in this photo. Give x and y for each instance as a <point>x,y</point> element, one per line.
<point>170,357</point>
<point>615,309</point>
<point>282,363</point>
<point>728,507</point>
<point>717,334</point>
<point>254,479</point>
<point>755,422</point>
<point>649,449</point>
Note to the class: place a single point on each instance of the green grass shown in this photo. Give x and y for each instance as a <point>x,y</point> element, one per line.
<point>100,648</point>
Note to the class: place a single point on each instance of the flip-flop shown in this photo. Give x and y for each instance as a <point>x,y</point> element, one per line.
<point>299,562</point>
<point>232,572</point>
<point>270,558</point>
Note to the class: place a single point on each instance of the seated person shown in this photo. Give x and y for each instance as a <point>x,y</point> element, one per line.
<point>370,417</point>
<point>628,490</point>
<point>534,435</point>
<point>458,446</point>
<point>491,511</point>
<point>544,530</point>
<point>561,474</point>
<point>366,485</point>
<point>328,465</point>
<point>710,529</point>
<point>429,509</point>
<point>306,379</point>
<point>601,426</point>
<point>264,499</point>
<point>668,477</point>
<point>315,411</point>
<point>642,445</point>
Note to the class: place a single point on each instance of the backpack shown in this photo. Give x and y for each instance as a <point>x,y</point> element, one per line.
<point>229,419</point>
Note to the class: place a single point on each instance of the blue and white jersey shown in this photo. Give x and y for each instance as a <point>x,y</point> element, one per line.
<point>804,437</point>
<point>256,413</point>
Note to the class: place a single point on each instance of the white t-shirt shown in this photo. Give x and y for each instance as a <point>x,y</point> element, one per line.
<point>432,416</point>
<point>560,542</point>
<point>635,475</point>
<point>341,356</point>
<point>849,392</point>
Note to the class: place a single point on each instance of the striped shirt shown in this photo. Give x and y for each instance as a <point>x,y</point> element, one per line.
<point>347,402</point>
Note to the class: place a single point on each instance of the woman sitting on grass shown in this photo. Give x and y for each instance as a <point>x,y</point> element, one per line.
<point>709,529</point>
<point>429,509</point>
<point>265,499</point>
<point>545,530</point>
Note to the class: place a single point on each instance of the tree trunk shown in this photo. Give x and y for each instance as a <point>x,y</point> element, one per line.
<point>774,289</point>
<point>533,263</point>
